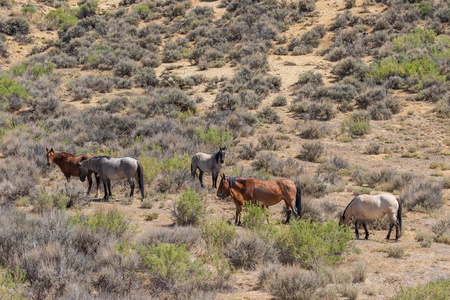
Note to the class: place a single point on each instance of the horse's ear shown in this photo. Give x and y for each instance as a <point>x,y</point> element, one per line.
<point>51,150</point>
<point>224,148</point>
<point>223,175</point>
<point>46,149</point>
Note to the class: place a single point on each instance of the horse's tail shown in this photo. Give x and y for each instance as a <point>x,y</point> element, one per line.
<point>298,201</point>
<point>140,175</point>
<point>399,216</point>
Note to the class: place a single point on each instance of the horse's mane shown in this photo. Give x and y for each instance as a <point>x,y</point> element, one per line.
<point>102,156</point>
<point>343,214</point>
<point>232,180</point>
<point>216,155</point>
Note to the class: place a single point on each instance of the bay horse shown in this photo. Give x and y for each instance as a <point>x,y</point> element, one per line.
<point>67,163</point>
<point>372,207</point>
<point>109,168</point>
<point>208,163</point>
<point>268,192</point>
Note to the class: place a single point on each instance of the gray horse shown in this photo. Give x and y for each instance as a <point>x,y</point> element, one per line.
<point>208,163</point>
<point>110,168</point>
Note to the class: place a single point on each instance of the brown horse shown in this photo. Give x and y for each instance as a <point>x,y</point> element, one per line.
<point>68,163</point>
<point>268,192</point>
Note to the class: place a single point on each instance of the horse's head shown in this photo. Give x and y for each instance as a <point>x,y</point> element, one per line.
<point>224,187</point>
<point>342,220</point>
<point>50,155</point>
<point>82,170</point>
<point>222,152</point>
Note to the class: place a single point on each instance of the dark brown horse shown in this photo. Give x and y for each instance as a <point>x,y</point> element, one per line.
<point>268,192</point>
<point>68,163</point>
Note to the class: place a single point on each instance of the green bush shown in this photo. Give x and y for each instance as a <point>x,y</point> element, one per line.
<point>357,125</point>
<point>33,68</point>
<point>214,136</point>
<point>436,290</point>
<point>255,216</point>
<point>28,9</point>
<point>218,233</point>
<point>306,242</point>
<point>172,264</point>
<point>12,284</point>
<point>189,209</point>
<point>59,19</point>
<point>112,223</point>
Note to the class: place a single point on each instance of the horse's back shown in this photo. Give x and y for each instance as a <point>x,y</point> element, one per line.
<point>118,168</point>
<point>374,206</point>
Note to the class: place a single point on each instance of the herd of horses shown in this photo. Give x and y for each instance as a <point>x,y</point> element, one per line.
<point>240,189</point>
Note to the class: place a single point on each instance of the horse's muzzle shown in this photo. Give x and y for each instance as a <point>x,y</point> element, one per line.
<point>48,164</point>
<point>220,195</point>
<point>222,161</point>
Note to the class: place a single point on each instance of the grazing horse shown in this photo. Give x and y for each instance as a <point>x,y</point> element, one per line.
<point>208,162</point>
<point>67,163</point>
<point>110,168</point>
<point>268,192</point>
<point>372,207</point>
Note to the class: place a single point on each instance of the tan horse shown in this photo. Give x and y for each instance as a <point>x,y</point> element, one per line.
<point>67,163</point>
<point>268,192</point>
<point>372,207</point>
<point>208,163</point>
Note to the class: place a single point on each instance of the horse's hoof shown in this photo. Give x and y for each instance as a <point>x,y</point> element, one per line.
<point>366,238</point>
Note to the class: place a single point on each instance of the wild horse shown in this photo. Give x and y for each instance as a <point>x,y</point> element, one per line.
<point>208,163</point>
<point>268,192</point>
<point>110,168</point>
<point>67,163</point>
<point>372,207</point>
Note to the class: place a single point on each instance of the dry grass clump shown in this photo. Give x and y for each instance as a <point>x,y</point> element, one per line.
<point>422,195</point>
<point>311,152</point>
<point>442,230</point>
<point>395,251</point>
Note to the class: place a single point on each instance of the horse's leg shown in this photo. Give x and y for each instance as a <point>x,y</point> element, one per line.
<point>109,186</point>
<point>239,206</point>
<point>97,180</point>
<point>389,232</point>
<point>67,177</point>
<point>105,187</point>
<point>356,229</point>
<point>89,176</point>
<point>131,182</point>
<point>200,176</point>
<point>214,179</point>
<point>365,229</point>
<point>397,230</point>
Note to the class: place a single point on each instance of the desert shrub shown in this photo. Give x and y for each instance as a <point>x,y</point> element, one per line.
<point>420,194</point>
<point>15,25</point>
<point>424,239</point>
<point>250,99</point>
<point>249,250</point>
<point>432,290</point>
<point>442,230</point>
<point>357,125</point>
<point>60,19</point>
<point>188,236</point>
<point>214,136</point>
<point>311,152</point>
<point>174,269</point>
<point>12,283</point>
<point>227,101</point>
<point>255,216</point>
<point>309,77</point>
<point>371,96</point>
<point>268,115</point>
<point>218,233</point>
<point>290,282</point>
<point>311,210</point>
<point>359,274</point>
<point>305,242</point>
<point>281,50</point>
<point>350,67</point>
<point>87,9</point>
<point>319,110</point>
<point>373,148</point>
<point>174,50</point>
<point>12,95</point>
<point>146,78</point>
<point>306,5</point>
<point>112,223</point>
<point>312,186</point>
<point>312,132</point>
<point>395,251</point>
<point>170,100</point>
<point>6,3</point>
<point>189,209</point>
<point>247,151</point>
<point>125,68</point>
<point>268,142</point>
<point>279,100</point>
<point>151,60</point>
<point>264,161</point>
<point>349,3</point>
